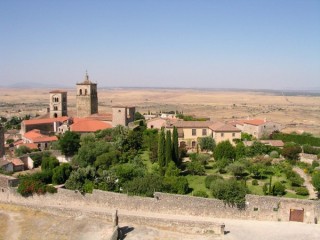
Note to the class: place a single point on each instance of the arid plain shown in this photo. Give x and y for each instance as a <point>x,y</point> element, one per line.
<point>300,113</point>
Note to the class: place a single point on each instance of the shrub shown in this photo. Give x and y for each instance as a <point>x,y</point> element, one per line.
<point>177,185</point>
<point>200,194</point>
<point>211,178</point>
<point>302,191</point>
<point>278,189</point>
<point>255,182</point>
<point>274,154</point>
<point>51,189</point>
<point>195,168</point>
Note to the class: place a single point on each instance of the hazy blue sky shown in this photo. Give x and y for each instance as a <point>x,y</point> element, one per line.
<point>271,44</point>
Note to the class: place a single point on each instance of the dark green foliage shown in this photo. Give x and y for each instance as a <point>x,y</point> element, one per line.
<point>224,150</point>
<point>161,152</point>
<point>69,143</point>
<point>278,189</point>
<point>78,179</point>
<point>49,163</point>
<point>138,116</point>
<point>265,188</point>
<point>22,150</point>
<point>221,164</point>
<point>172,170</point>
<point>259,148</point>
<point>316,180</point>
<point>255,182</point>
<point>200,194</point>
<point>258,170</point>
<point>240,150</point>
<point>195,168</point>
<point>291,152</point>
<point>168,148</point>
<point>107,181</point>
<point>203,158</point>
<point>144,186</point>
<point>106,160</point>
<point>37,157</point>
<point>177,185</point>
<point>61,173</point>
<point>310,150</point>
<point>295,179</point>
<point>303,191</point>
<point>230,191</point>
<point>150,142</point>
<point>237,169</point>
<point>206,143</point>
<point>299,139</point>
<point>175,147</point>
<point>105,134</point>
<point>246,136</point>
<point>211,178</point>
<point>127,172</point>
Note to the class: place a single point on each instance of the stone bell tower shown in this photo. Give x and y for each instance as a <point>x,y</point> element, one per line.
<point>58,104</point>
<point>87,98</point>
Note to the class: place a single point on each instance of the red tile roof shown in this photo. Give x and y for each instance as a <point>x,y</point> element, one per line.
<point>101,117</point>
<point>35,136</point>
<point>30,145</point>
<point>17,162</point>
<point>44,120</point>
<point>88,125</point>
<point>223,127</point>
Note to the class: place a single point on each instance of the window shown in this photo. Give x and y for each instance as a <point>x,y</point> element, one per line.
<point>55,108</point>
<point>194,132</point>
<point>204,132</point>
<point>193,144</point>
<point>85,92</point>
<point>80,92</point>
<point>222,134</point>
<point>233,134</point>
<point>119,110</point>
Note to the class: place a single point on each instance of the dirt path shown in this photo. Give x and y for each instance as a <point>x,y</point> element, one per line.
<point>307,182</point>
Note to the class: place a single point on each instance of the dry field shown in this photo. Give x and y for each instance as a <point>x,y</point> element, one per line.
<point>296,113</point>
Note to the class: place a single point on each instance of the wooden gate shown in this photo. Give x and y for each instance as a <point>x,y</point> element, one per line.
<point>296,215</point>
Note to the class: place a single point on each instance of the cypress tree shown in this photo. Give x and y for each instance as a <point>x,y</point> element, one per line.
<point>175,146</point>
<point>161,152</point>
<point>168,148</point>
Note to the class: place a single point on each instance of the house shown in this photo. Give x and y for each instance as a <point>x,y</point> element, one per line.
<point>190,131</point>
<point>6,165</point>
<point>35,136</point>
<point>273,143</point>
<point>46,125</point>
<point>86,125</point>
<point>27,161</point>
<point>258,128</point>
<point>18,165</point>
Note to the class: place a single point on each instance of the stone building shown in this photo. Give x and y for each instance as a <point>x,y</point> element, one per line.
<point>87,98</point>
<point>58,104</point>
<point>122,115</point>
<point>2,149</point>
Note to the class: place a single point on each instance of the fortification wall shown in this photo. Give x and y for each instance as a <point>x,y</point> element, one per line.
<point>257,207</point>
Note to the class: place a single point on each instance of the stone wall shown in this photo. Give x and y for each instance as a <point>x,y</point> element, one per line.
<point>7,181</point>
<point>308,158</point>
<point>257,207</point>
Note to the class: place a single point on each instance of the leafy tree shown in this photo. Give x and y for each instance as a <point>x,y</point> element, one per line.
<point>161,152</point>
<point>303,191</point>
<point>177,185</point>
<point>246,136</point>
<point>168,148</point>
<point>69,143</point>
<point>200,193</point>
<point>240,150</point>
<point>211,178</point>
<point>107,181</point>
<point>127,172</point>
<point>291,152</point>
<point>38,156</point>
<point>237,169</point>
<point>78,179</point>
<point>230,191</point>
<point>224,150</point>
<point>106,160</point>
<point>278,189</point>
<point>175,146</point>
<point>150,142</point>
<point>49,163</point>
<point>138,116</point>
<point>144,186</point>
<point>316,180</point>
<point>207,143</point>
<point>172,170</point>
<point>22,150</point>
<point>258,170</point>
<point>61,173</point>
<point>195,168</point>
<point>203,158</point>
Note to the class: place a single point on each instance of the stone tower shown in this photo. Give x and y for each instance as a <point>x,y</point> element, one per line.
<point>58,104</point>
<point>2,150</point>
<point>122,115</point>
<point>87,98</point>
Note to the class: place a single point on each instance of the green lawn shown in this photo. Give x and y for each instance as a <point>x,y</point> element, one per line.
<point>197,184</point>
<point>146,161</point>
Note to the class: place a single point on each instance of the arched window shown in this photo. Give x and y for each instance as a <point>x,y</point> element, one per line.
<point>80,92</point>
<point>55,108</point>
<point>85,92</point>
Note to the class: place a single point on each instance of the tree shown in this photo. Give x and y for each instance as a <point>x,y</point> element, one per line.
<point>230,191</point>
<point>291,152</point>
<point>138,116</point>
<point>278,189</point>
<point>224,150</point>
<point>21,150</point>
<point>207,143</point>
<point>240,150</point>
<point>61,173</point>
<point>196,168</point>
<point>161,152</point>
<point>49,163</point>
<point>69,143</point>
<point>168,148</point>
<point>80,179</point>
<point>237,169</point>
<point>175,146</point>
<point>316,180</point>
